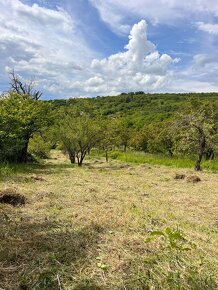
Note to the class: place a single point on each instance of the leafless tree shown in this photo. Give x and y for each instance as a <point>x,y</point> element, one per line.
<point>23,88</point>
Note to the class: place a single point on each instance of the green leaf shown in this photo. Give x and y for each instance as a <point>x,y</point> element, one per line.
<point>158,233</point>
<point>102,266</point>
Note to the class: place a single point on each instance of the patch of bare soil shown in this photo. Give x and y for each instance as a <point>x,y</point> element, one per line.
<point>10,196</point>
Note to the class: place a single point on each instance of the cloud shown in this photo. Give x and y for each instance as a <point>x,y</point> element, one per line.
<point>140,67</point>
<point>199,76</point>
<point>118,12</point>
<point>188,85</point>
<point>112,12</point>
<point>208,27</point>
<point>208,61</point>
<point>46,44</point>
<point>41,42</point>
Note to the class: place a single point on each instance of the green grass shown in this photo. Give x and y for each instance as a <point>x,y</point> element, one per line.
<point>141,158</point>
<point>8,170</point>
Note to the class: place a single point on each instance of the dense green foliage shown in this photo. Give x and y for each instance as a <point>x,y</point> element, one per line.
<point>140,108</point>
<point>21,117</point>
<point>167,124</point>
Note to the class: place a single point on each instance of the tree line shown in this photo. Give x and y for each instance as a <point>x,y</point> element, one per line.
<point>30,126</point>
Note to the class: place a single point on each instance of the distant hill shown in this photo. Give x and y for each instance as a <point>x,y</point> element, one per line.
<point>139,108</point>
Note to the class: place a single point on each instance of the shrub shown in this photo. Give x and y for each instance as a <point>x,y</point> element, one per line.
<point>39,148</point>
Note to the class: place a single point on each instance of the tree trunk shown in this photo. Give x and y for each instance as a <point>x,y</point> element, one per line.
<point>170,152</point>
<point>106,155</point>
<point>200,153</point>
<point>80,158</point>
<point>80,161</point>
<point>22,155</point>
<point>72,157</point>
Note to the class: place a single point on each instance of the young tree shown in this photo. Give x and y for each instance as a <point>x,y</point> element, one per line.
<point>197,130</point>
<point>78,134</point>
<point>124,131</point>
<point>109,135</point>
<point>22,114</point>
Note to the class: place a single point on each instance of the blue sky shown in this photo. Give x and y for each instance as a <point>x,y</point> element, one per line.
<point>74,48</point>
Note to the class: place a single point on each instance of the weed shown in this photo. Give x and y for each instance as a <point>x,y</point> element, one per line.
<point>174,239</point>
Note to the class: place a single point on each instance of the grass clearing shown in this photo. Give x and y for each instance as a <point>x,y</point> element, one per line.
<point>86,228</point>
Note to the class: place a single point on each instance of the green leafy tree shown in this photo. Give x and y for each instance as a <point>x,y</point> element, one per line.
<point>154,138</point>
<point>160,138</point>
<point>109,135</point>
<point>39,147</point>
<point>139,139</point>
<point>78,134</point>
<point>21,117</point>
<point>196,130</point>
<point>124,131</point>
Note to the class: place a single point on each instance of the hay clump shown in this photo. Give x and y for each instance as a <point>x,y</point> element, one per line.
<point>193,179</point>
<point>179,176</point>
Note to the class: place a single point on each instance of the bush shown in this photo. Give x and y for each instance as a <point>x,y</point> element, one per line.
<point>39,148</point>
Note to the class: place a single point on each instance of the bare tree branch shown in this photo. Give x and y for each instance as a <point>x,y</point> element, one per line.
<point>26,88</point>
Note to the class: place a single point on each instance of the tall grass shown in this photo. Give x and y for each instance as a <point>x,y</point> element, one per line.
<point>154,159</point>
<point>10,169</point>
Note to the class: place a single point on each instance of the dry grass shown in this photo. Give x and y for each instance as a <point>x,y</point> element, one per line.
<point>85,228</point>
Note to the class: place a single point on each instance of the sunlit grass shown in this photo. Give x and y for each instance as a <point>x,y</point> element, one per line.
<point>142,158</point>
<point>88,228</point>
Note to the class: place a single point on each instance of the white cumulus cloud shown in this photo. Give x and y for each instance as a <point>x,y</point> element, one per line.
<point>46,44</point>
<point>140,67</point>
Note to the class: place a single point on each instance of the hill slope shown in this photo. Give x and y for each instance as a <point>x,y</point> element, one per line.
<point>138,107</point>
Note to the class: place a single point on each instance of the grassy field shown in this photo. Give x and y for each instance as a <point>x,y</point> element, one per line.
<point>108,226</point>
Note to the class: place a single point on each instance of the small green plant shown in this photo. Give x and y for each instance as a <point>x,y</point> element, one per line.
<point>174,239</point>
<point>46,280</point>
<point>102,265</point>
